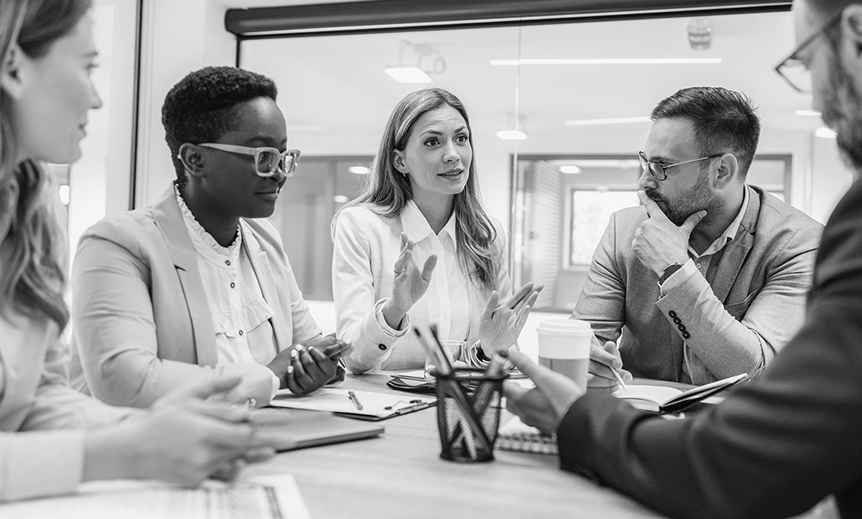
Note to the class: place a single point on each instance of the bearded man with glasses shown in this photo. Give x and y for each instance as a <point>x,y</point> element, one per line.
<point>707,279</point>
<point>197,285</point>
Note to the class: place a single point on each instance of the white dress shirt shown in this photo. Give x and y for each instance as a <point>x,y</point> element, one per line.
<point>366,248</point>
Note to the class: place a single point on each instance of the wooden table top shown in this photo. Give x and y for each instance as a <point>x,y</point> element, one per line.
<point>401,475</point>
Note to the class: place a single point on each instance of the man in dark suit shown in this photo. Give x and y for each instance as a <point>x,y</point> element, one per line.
<point>791,436</point>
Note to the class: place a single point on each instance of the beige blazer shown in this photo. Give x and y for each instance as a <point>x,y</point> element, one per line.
<point>733,320</point>
<point>142,324</point>
<point>49,458</point>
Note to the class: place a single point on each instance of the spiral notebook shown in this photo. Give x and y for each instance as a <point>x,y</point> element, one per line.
<point>517,436</point>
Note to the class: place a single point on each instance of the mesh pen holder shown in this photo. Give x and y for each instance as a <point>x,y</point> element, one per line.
<point>468,415</point>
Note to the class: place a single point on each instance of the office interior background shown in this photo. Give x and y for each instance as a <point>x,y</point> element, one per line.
<point>579,90</point>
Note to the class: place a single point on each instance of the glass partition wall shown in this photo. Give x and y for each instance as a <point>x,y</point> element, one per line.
<point>579,93</point>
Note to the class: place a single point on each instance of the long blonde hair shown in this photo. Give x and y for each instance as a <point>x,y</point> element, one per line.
<point>33,247</point>
<point>387,189</point>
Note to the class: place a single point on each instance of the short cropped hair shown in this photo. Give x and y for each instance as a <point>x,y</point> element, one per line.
<point>203,106</point>
<point>724,121</point>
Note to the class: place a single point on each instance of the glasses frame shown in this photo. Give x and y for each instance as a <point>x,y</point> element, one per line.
<point>647,164</point>
<point>292,155</point>
<point>793,60</point>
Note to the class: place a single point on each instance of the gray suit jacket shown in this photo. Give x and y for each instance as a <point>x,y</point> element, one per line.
<point>733,320</point>
<point>142,324</point>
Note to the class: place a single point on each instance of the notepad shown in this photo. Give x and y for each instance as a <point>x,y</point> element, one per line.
<point>517,436</point>
<point>662,399</point>
<point>375,406</point>
<point>263,497</point>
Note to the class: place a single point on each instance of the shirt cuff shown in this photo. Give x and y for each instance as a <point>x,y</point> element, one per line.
<point>381,321</point>
<point>678,278</point>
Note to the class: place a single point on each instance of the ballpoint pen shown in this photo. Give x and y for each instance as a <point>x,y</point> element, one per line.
<point>352,396</point>
<point>619,378</point>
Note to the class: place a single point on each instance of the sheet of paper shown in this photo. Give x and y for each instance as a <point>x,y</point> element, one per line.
<point>264,497</point>
<point>646,397</point>
<point>339,401</point>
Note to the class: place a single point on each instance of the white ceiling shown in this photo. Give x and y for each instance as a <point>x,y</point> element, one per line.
<point>336,96</point>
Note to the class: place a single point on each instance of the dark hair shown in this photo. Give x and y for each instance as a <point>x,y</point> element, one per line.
<point>203,106</point>
<point>386,188</point>
<point>724,121</point>
<point>33,248</point>
<point>826,10</point>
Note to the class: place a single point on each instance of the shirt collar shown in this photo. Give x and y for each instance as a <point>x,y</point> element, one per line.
<point>202,241</point>
<point>729,233</point>
<point>417,228</point>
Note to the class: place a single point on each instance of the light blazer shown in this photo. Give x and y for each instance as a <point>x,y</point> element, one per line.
<point>366,247</point>
<point>49,458</point>
<point>142,321</point>
<point>734,320</point>
<point>773,448</point>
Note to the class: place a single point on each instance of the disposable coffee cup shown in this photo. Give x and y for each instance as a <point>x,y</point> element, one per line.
<point>564,347</point>
<point>454,351</point>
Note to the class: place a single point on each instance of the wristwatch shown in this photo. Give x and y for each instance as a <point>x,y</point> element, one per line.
<point>668,272</point>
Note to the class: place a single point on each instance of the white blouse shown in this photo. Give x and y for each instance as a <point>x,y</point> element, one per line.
<point>366,248</point>
<point>240,314</point>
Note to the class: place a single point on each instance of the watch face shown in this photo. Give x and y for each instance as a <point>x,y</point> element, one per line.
<point>668,272</point>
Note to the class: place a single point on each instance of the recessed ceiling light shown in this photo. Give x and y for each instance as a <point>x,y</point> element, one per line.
<point>408,75</point>
<point>358,170</point>
<point>511,135</point>
<point>340,199</point>
<point>825,133</point>
<point>807,113</point>
<point>613,120</point>
<point>605,61</point>
<point>570,169</point>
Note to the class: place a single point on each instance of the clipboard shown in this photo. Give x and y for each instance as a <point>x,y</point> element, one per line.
<point>375,406</point>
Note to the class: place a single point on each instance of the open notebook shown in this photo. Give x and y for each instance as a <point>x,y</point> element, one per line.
<point>514,435</point>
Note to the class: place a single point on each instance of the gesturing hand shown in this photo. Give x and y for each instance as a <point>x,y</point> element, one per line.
<point>544,405</point>
<point>658,242</point>
<point>410,283</point>
<point>501,323</point>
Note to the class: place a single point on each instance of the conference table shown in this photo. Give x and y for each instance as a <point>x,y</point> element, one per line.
<point>401,475</point>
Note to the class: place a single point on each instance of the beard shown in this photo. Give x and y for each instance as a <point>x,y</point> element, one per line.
<point>843,113</point>
<point>689,202</point>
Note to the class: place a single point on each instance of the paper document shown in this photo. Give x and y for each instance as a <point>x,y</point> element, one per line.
<point>263,497</point>
<point>374,406</point>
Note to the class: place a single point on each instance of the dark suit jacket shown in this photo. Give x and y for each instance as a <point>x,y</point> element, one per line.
<point>776,446</point>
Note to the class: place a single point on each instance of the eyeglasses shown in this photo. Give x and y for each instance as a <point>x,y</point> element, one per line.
<point>659,171</point>
<point>793,69</point>
<point>267,160</point>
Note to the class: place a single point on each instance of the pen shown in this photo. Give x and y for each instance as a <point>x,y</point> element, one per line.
<point>352,396</point>
<point>619,378</point>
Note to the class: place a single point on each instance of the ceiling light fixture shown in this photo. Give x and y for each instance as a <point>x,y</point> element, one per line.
<point>511,135</point>
<point>605,61</point>
<point>613,120</point>
<point>570,169</point>
<point>358,170</point>
<point>825,133</point>
<point>807,113</point>
<point>428,61</point>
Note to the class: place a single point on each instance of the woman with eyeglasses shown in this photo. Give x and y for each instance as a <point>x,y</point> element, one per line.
<point>51,436</point>
<point>197,285</point>
<point>416,247</point>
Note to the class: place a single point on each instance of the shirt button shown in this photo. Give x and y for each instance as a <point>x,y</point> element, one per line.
<point>240,333</point>
<point>382,347</point>
<point>227,262</point>
<point>698,265</point>
<point>233,285</point>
